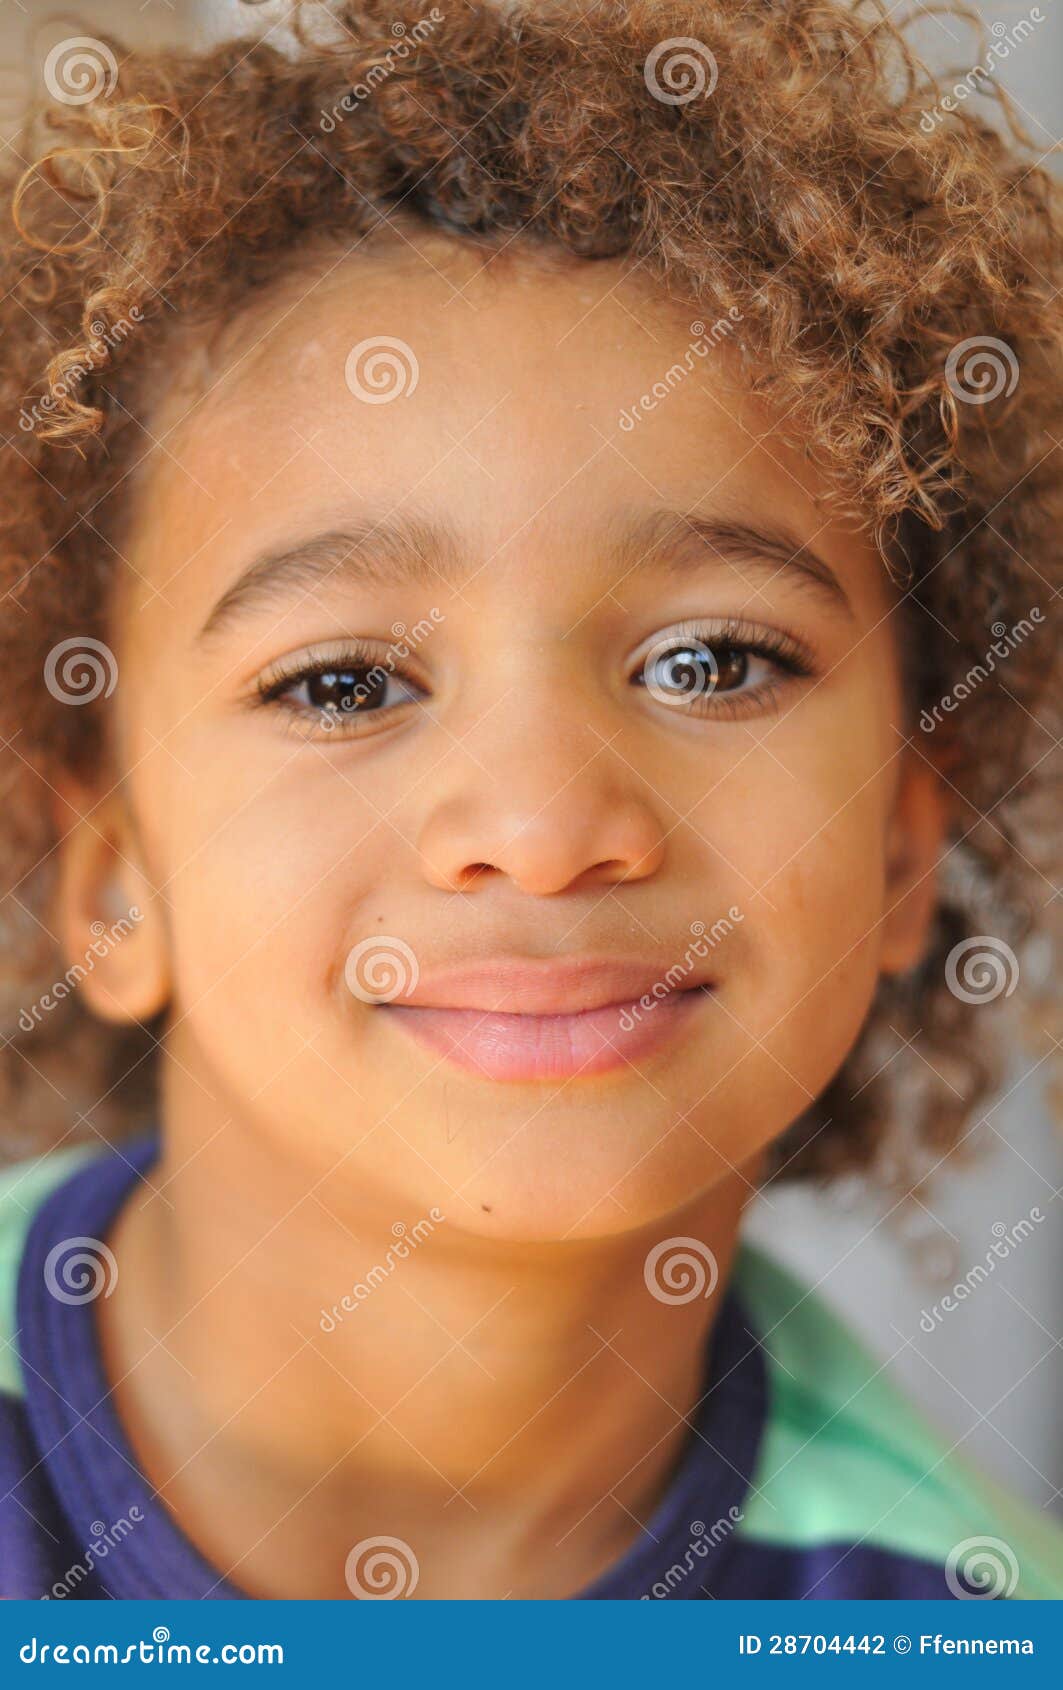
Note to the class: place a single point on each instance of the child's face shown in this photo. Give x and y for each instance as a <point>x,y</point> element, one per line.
<point>516,788</point>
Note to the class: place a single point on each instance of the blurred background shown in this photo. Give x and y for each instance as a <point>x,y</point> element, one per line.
<point>989,1370</point>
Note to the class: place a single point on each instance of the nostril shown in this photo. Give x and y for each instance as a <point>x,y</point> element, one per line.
<point>474,871</point>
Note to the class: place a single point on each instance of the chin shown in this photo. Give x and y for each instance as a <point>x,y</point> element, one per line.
<point>599,1192</point>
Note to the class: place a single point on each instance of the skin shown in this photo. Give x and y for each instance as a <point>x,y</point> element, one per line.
<point>531,801</point>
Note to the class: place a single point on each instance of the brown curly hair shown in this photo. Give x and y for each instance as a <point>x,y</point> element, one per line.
<point>792,162</point>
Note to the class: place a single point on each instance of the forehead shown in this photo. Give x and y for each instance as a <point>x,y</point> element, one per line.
<point>496,385</point>
<point>499,308</point>
<point>496,310</point>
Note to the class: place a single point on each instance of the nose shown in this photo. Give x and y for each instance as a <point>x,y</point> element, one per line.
<point>552,810</point>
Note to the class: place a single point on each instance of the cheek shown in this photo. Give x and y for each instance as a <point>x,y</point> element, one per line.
<point>264,896</point>
<point>815,966</point>
<point>797,839</point>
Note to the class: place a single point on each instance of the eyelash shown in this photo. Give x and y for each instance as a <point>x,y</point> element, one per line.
<point>356,656</point>
<point>790,656</point>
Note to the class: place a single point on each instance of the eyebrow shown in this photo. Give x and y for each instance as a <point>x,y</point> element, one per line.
<point>401,550</point>
<point>681,540</point>
<point>387,551</point>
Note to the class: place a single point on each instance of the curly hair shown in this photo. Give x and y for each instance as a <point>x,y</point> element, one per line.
<point>895,263</point>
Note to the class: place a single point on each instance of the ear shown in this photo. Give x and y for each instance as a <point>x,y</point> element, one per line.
<point>111,920</point>
<point>914,842</point>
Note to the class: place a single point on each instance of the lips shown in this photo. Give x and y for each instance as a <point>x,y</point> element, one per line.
<point>548,986</point>
<point>519,1019</point>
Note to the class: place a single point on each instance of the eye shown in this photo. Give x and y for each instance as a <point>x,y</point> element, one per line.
<point>350,692</point>
<point>736,668</point>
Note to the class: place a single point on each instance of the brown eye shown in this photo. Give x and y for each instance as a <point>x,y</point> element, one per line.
<point>345,691</point>
<point>690,669</point>
<point>349,691</point>
<point>732,667</point>
<point>693,669</point>
<point>721,673</point>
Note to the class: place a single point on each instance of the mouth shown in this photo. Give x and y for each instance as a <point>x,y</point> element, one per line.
<point>553,1035</point>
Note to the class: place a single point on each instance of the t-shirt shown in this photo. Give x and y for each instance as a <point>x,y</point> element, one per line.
<point>805,1474</point>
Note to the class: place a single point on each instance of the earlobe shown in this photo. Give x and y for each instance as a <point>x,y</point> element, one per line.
<point>111,920</point>
<point>915,838</point>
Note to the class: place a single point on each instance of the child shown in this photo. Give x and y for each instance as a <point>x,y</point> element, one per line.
<point>495,500</point>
